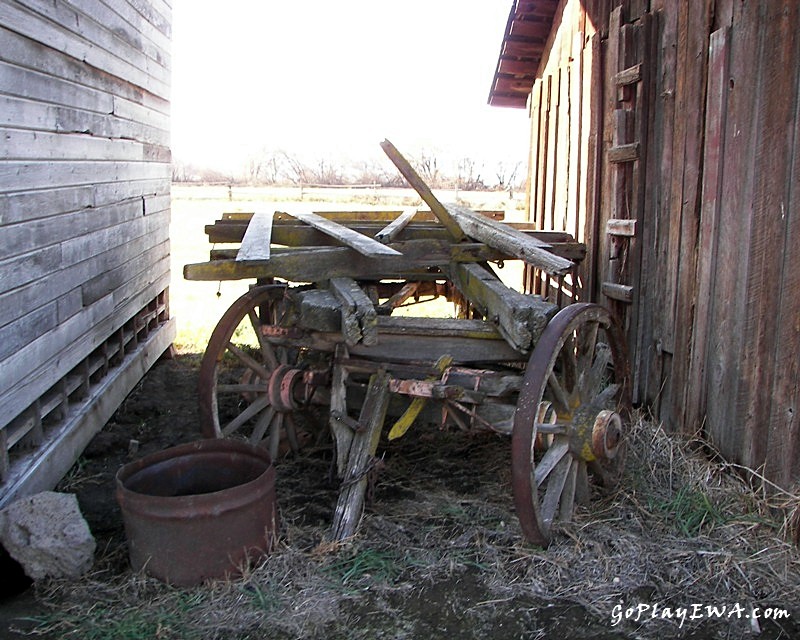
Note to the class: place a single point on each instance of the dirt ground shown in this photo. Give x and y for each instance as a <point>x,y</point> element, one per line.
<point>439,553</point>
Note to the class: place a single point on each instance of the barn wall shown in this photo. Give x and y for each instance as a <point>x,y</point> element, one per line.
<point>84,219</point>
<point>665,136</point>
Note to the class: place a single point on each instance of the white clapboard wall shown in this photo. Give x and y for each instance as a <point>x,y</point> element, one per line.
<point>84,222</point>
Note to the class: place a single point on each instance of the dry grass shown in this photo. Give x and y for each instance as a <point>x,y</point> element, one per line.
<point>679,530</point>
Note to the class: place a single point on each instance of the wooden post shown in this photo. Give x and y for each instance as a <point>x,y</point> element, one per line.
<point>361,458</point>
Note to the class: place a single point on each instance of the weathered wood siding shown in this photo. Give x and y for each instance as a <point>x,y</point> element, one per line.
<point>665,136</point>
<point>84,201</point>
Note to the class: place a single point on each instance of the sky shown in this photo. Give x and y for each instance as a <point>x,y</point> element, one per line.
<point>331,79</point>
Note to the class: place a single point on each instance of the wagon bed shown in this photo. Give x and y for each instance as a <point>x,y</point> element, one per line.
<point>329,327</point>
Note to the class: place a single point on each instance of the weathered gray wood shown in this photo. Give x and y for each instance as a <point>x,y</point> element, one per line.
<point>395,227</point>
<point>257,238</point>
<point>520,318</point>
<point>31,371</point>
<point>359,319</point>
<point>615,291</point>
<point>361,459</point>
<point>509,240</point>
<point>625,228</point>
<point>42,469</point>
<point>624,153</point>
<point>363,244</point>
<point>418,184</point>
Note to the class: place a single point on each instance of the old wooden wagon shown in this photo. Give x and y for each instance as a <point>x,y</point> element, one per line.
<point>328,325</point>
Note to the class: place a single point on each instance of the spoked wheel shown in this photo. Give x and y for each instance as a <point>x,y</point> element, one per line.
<point>250,384</point>
<point>574,401</point>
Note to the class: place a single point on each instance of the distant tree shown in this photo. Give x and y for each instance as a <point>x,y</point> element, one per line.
<point>427,166</point>
<point>507,174</point>
<point>469,175</point>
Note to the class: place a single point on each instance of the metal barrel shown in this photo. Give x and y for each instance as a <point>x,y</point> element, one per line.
<point>198,511</point>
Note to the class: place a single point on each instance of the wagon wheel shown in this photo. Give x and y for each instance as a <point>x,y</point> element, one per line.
<point>250,386</point>
<point>573,402</point>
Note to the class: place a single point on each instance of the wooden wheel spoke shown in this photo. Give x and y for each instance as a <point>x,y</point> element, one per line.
<point>579,358</point>
<point>569,363</point>
<point>605,399</point>
<point>266,348</point>
<point>555,489</point>
<point>240,388</point>
<point>587,342</point>
<point>275,435</point>
<point>567,506</point>
<point>559,395</point>
<point>557,451</point>
<point>256,407</point>
<point>291,433</point>
<point>582,484</point>
<point>550,428</point>
<point>248,361</point>
<point>593,377</point>
<point>262,425</point>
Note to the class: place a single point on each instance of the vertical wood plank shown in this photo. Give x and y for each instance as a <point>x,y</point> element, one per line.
<point>728,307</point>
<point>698,27</point>
<point>778,46</point>
<point>696,393</point>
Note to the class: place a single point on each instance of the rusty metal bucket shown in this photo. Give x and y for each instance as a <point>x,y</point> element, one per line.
<point>198,511</point>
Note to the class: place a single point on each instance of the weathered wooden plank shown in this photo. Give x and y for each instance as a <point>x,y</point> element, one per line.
<point>318,264</point>
<point>698,27</point>
<point>520,318</point>
<point>359,319</point>
<point>257,238</point>
<point>24,52</point>
<point>363,244</point>
<point>724,419</point>
<point>783,447</point>
<point>696,393</point>
<point>361,459</point>
<point>774,122</point>
<point>624,153</point>
<point>620,227</point>
<point>30,23</point>
<point>413,178</point>
<point>29,327</point>
<point>616,291</point>
<point>509,240</point>
<point>26,236</point>
<point>22,113</point>
<point>31,371</point>
<point>532,183</point>
<point>40,174</point>
<point>392,230</point>
<point>628,76</point>
<point>111,281</point>
<point>42,470</point>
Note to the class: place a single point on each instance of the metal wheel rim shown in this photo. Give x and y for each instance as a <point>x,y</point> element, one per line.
<point>542,361</point>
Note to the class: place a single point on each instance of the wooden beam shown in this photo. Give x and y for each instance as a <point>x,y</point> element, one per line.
<point>361,459</point>
<point>617,227</point>
<point>424,191</point>
<point>520,318</point>
<point>359,319</point>
<point>257,238</point>
<point>363,244</point>
<point>628,76</point>
<point>393,229</point>
<point>621,292</point>
<point>624,153</point>
<point>510,241</point>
